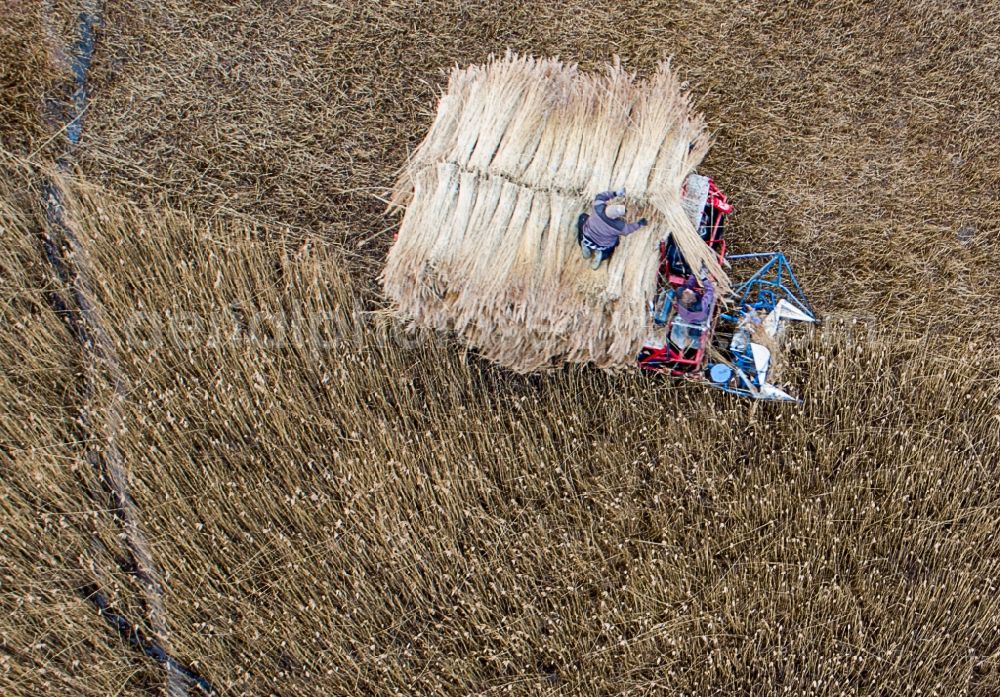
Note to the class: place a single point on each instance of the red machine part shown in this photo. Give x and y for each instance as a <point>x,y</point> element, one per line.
<point>717,199</point>
<point>670,358</point>
<point>717,208</point>
<point>667,357</point>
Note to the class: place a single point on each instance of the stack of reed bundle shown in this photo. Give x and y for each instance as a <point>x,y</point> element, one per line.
<point>487,246</point>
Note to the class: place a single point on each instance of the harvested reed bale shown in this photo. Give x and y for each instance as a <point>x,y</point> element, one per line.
<point>487,246</point>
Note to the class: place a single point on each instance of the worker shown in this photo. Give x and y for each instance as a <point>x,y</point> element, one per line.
<point>599,231</point>
<point>693,309</point>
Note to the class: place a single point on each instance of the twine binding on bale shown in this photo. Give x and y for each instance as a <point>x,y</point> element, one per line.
<point>487,245</point>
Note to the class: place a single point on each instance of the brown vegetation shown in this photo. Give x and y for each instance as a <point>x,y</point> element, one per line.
<point>338,507</point>
<point>57,533</point>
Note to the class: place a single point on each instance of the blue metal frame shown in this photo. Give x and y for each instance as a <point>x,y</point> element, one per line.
<point>768,285</point>
<point>738,391</point>
<point>772,282</point>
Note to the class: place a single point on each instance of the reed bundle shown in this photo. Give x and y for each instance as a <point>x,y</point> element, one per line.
<point>487,246</point>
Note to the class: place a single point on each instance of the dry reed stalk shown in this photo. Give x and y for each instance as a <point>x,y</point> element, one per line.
<point>558,247</point>
<point>400,253</point>
<point>475,111</point>
<point>556,89</point>
<point>664,117</point>
<point>579,130</point>
<point>523,134</point>
<point>696,253</point>
<point>490,247</point>
<point>599,115</point>
<point>506,98</point>
<point>463,249</point>
<point>505,251</point>
<point>609,106</point>
<point>455,193</point>
<point>32,64</point>
<point>492,253</point>
<point>633,135</point>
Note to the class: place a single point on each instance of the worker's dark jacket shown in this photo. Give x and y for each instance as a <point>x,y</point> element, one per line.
<point>601,231</point>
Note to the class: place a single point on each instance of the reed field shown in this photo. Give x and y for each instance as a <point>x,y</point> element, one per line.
<point>227,468</point>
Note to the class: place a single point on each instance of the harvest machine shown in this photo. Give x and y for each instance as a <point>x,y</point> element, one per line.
<point>735,349</point>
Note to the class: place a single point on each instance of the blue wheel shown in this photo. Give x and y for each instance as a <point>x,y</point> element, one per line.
<point>720,374</point>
